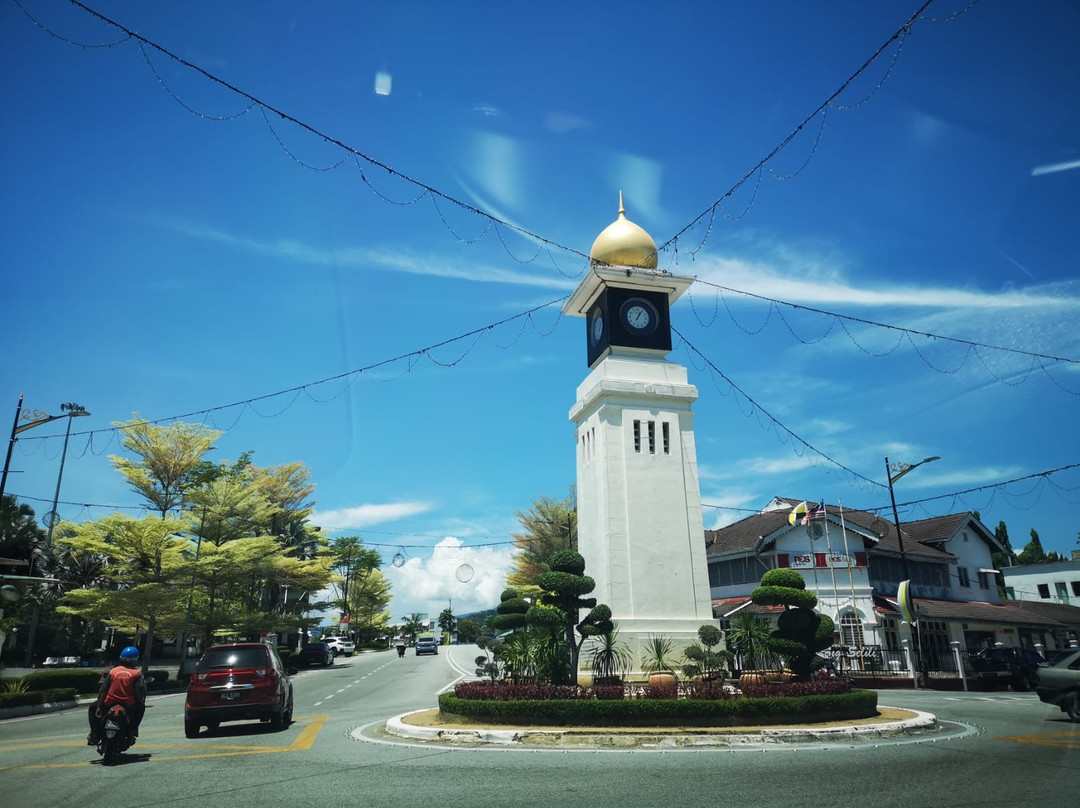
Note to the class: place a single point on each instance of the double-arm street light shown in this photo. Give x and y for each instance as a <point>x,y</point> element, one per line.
<point>50,519</point>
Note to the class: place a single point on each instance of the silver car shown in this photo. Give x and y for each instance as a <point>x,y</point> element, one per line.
<point>1059,684</point>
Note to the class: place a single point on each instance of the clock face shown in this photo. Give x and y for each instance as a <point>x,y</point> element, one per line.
<point>596,327</point>
<point>639,316</point>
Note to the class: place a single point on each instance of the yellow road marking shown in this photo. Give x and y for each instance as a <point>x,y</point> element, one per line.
<point>1064,740</point>
<point>303,742</point>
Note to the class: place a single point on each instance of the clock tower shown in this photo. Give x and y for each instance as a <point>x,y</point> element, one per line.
<point>640,526</point>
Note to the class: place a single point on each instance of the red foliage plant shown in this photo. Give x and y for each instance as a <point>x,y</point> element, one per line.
<point>487,691</point>
<point>819,687</point>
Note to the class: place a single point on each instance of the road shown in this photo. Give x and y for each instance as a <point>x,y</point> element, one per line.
<point>1002,749</point>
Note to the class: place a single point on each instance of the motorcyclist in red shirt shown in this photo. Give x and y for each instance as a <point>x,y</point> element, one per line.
<point>125,685</point>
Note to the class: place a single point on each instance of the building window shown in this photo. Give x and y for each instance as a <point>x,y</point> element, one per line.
<point>962,574</point>
<point>1076,588</point>
<point>666,428</point>
<point>736,571</point>
<point>1062,592</point>
<point>652,437</point>
<point>637,436</point>
<point>1044,590</point>
<point>892,634</point>
<point>851,631</point>
<point>984,580</point>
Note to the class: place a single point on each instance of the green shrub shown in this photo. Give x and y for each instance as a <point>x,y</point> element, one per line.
<point>668,712</point>
<point>157,680</point>
<point>84,680</point>
<point>49,696</point>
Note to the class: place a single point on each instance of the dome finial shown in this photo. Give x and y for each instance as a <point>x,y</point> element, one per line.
<point>623,244</point>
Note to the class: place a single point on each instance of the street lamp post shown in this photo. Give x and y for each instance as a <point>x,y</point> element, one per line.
<point>70,411</point>
<point>895,471</point>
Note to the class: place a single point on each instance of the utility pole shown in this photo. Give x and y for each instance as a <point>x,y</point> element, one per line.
<point>894,472</point>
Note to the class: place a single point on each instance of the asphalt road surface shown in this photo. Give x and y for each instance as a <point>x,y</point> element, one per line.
<point>999,748</point>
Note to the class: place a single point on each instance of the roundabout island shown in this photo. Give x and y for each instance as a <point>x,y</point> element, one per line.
<point>433,727</point>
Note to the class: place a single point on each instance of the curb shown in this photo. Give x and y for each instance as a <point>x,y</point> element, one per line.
<point>547,737</point>
<point>80,701</point>
<point>37,709</point>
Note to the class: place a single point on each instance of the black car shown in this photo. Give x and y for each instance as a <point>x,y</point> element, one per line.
<point>1018,667</point>
<point>316,653</point>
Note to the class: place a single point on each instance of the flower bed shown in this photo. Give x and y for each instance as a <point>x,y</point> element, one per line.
<point>704,705</point>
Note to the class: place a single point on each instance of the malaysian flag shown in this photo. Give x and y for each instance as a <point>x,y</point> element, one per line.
<point>814,512</point>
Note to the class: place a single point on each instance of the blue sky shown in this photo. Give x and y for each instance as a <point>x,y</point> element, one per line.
<point>167,255</point>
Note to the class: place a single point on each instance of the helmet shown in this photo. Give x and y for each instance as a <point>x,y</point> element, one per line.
<point>129,654</point>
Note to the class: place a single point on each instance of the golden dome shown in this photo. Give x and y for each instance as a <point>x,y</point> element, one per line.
<point>623,244</point>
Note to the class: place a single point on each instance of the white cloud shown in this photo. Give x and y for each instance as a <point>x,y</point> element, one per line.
<point>398,259</point>
<point>801,279</point>
<point>429,584</point>
<point>367,515</point>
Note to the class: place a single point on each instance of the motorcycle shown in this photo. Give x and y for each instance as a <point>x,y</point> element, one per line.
<point>401,650</point>
<point>115,735</point>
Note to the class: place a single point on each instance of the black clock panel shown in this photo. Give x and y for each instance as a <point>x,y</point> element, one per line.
<point>629,318</point>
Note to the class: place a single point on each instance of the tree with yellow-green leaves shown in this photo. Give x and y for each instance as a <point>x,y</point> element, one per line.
<point>168,459</point>
<point>242,542</point>
<point>147,569</point>
<point>240,570</point>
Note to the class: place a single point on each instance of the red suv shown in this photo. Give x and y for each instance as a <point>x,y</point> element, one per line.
<point>237,682</point>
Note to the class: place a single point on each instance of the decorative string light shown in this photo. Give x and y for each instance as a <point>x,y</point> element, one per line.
<point>1039,361</point>
<point>410,358</point>
<point>900,34</point>
<point>898,37</point>
<point>758,410</point>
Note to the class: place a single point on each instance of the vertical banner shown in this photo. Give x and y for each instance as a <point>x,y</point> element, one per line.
<point>906,602</point>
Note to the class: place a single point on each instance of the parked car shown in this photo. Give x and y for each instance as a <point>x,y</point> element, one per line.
<point>427,645</point>
<point>236,682</point>
<point>1058,656</point>
<point>1059,683</point>
<point>318,653</point>
<point>340,645</point>
<point>1018,667</point>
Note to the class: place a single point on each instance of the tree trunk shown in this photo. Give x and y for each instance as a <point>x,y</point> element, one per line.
<point>150,626</point>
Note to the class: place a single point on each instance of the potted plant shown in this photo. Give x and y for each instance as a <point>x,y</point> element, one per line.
<point>704,663</point>
<point>659,661</point>
<point>609,658</point>
<point>751,637</point>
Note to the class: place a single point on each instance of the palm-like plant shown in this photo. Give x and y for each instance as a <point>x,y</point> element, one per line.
<point>610,659</point>
<point>659,654</point>
<point>751,637</point>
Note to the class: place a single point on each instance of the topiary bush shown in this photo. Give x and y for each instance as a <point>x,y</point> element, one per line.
<point>800,631</point>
